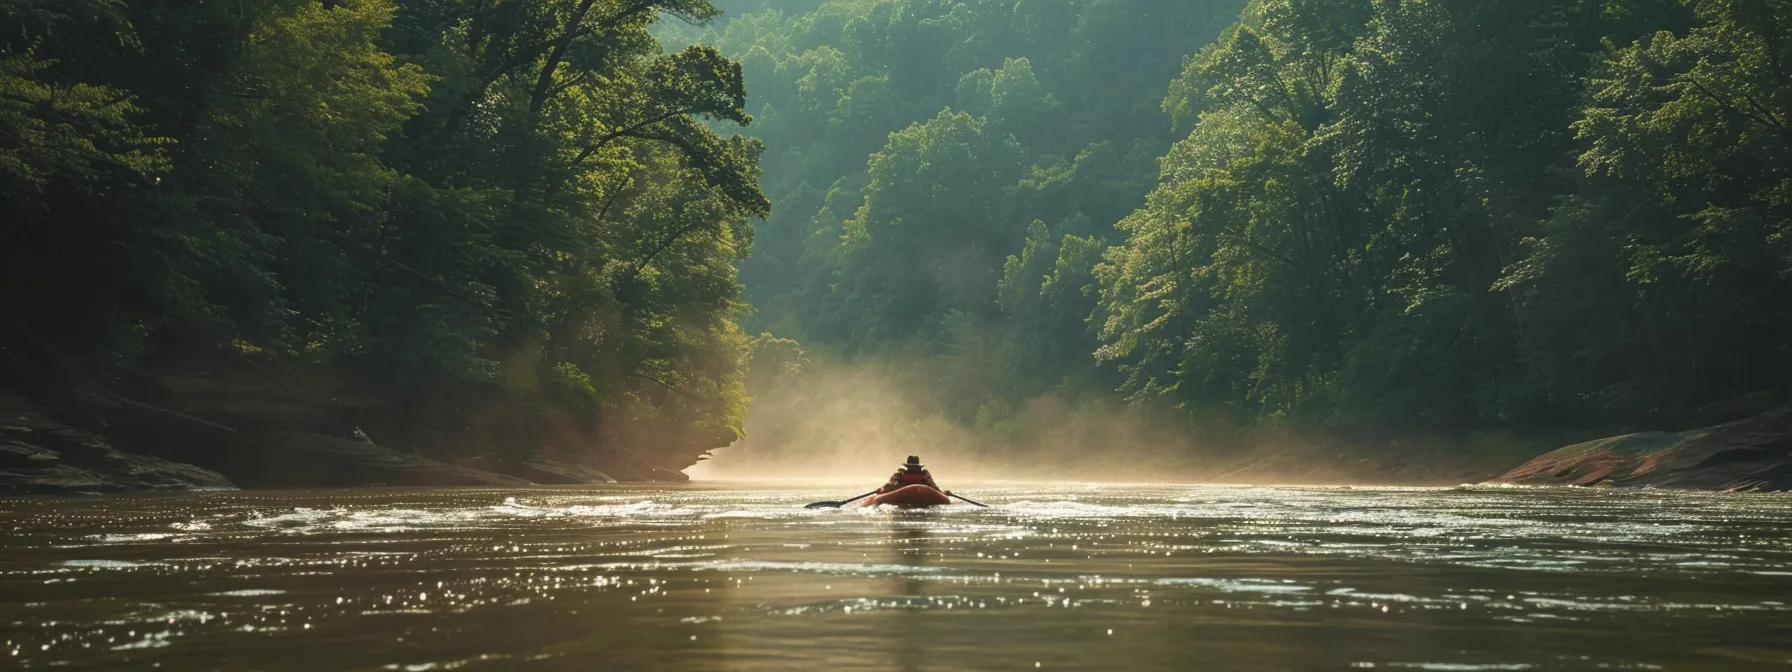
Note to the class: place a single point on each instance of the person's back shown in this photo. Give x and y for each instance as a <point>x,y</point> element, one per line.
<point>911,473</point>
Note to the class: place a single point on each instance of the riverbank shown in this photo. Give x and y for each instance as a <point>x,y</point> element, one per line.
<point>231,434</point>
<point>1752,454</point>
<point>1439,461</point>
<point>231,429</point>
<point>40,456</point>
<point>1749,455</point>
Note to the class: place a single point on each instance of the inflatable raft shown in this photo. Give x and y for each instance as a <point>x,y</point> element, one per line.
<point>909,497</point>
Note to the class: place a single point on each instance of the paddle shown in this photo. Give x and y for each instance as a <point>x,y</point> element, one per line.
<point>836,505</point>
<point>968,500</point>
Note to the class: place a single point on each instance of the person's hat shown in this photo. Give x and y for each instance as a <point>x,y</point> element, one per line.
<point>913,463</point>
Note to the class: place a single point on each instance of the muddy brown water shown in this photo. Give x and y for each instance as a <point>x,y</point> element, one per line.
<point>740,577</point>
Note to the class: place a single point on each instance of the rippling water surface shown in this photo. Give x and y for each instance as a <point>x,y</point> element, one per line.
<point>728,577</point>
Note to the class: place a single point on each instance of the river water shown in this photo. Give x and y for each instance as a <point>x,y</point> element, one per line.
<point>739,577</point>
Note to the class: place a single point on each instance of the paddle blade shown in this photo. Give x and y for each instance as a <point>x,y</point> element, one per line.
<point>837,504</point>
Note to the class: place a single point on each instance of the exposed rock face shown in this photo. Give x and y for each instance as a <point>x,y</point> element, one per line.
<point>511,442</point>
<point>39,456</point>
<point>257,457</point>
<point>263,426</point>
<point>1746,455</point>
<point>311,459</point>
<point>553,468</point>
<point>545,469</point>
<point>266,433</point>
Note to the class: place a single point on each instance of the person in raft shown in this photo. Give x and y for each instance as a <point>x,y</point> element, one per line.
<point>910,473</point>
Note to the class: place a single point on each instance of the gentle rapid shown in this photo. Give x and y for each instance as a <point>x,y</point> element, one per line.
<point>738,577</point>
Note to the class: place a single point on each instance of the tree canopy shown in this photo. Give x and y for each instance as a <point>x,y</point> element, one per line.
<point>456,205</point>
<point>1343,215</point>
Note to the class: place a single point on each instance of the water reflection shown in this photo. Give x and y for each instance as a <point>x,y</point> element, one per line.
<point>720,578</point>
<point>908,548</point>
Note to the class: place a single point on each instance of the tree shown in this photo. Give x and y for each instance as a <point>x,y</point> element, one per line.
<point>1661,284</point>
<point>477,204</point>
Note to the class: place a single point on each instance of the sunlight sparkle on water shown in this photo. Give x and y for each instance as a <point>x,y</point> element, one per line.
<point>473,579</point>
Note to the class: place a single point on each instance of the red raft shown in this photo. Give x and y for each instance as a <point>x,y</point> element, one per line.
<point>910,497</point>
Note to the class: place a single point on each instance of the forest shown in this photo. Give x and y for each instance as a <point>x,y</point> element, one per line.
<point>1353,217</point>
<point>445,222</point>
<point>623,225</point>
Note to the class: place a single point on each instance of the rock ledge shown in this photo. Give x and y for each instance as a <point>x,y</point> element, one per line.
<point>39,456</point>
<point>1754,454</point>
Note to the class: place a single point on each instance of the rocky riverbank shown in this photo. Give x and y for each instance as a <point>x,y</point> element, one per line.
<point>228,429</point>
<point>40,456</point>
<point>223,431</point>
<point>1754,454</point>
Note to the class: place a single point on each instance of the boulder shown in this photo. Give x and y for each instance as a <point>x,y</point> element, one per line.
<point>1753,454</point>
<point>40,456</point>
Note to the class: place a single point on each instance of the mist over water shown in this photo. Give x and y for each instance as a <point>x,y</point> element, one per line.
<point>860,420</point>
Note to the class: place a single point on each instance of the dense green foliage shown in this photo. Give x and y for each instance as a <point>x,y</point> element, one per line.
<point>1354,215</point>
<point>454,205</point>
<point>1459,214</point>
<point>947,175</point>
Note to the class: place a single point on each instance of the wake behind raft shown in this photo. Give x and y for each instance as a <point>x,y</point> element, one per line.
<point>911,487</point>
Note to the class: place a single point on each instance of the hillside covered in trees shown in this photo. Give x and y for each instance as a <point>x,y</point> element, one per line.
<point>504,231</point>
<point>1351,217</point>
<point>466,227</point>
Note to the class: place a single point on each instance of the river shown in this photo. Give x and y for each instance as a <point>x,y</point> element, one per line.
<point>740,577</point>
